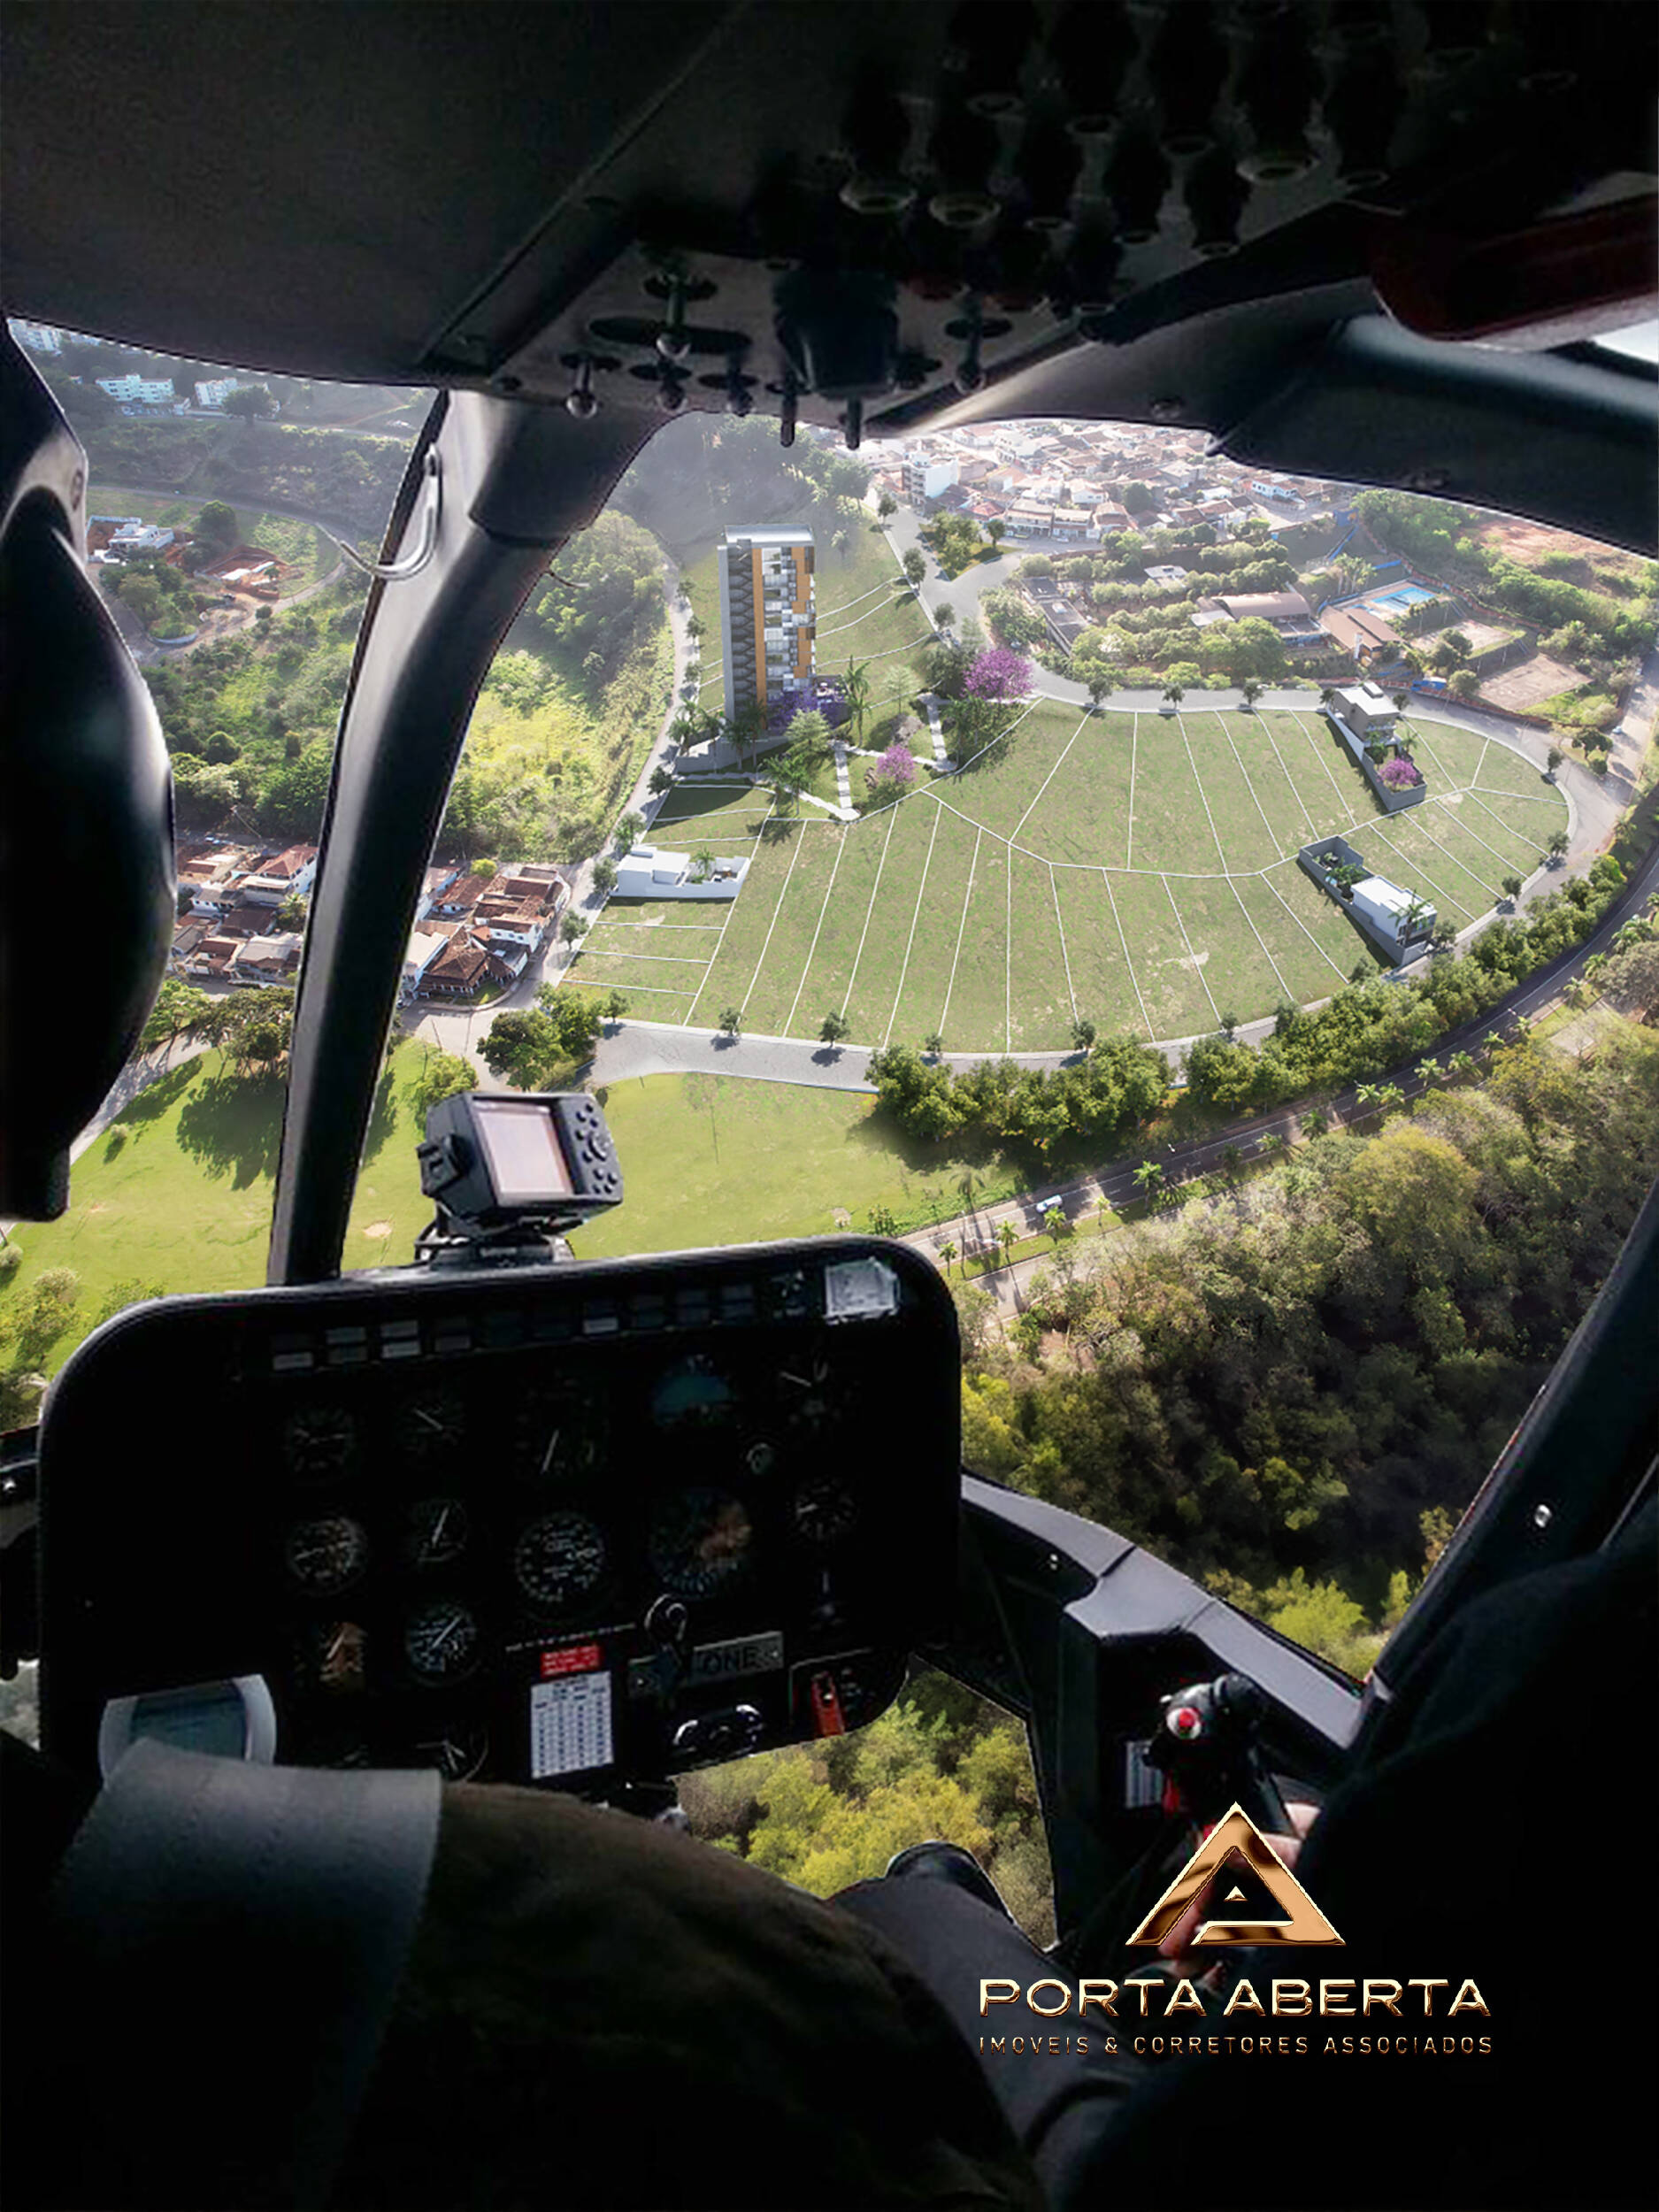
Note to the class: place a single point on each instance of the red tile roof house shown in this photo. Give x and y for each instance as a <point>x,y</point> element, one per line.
<point>462,896</point>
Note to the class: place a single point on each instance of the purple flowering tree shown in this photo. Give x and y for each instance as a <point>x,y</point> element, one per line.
<point>892,774</point>
<point>1398,775</point>
<point>998,674</point>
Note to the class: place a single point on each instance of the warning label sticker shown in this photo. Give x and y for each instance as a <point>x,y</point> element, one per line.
<point>570,1724</point>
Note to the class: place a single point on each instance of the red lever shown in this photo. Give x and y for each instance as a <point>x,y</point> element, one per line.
<point>827,1718</point>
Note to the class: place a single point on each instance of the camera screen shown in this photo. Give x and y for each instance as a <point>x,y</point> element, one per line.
<point>522,1150</point>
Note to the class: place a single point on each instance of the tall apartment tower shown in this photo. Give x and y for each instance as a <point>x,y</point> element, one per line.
<point>767,616</point>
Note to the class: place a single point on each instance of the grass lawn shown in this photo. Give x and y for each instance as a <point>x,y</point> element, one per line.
<point>711,1159</point>
<point>176,1195</point>
<point>1137,867</point>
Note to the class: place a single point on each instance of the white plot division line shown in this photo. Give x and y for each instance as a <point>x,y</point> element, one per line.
<point>1065,953</point>
<point>939,816</point>
<point>806,965</point>
<point>1296,788</point>
<point>713,957</point>
<point>1186,747</point>
<point>1008,953</point>
<point>788,879</point>
<point>875,889</point>
<point>1052,773</point>
<point>1301,925</point>
<point>1272,834</point>
<point>962,926</point>
<point>1260,940</point>
<point>1129,850</point>
<point>1128,962</point>
<point>1192,957</point>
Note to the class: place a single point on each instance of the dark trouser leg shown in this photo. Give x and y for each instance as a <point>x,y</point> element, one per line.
<point>1061,2104</point>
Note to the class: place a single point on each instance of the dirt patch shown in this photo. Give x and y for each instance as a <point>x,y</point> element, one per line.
<point>842,1217</point>
<point>1528,683</point>
<point>1524,542</point>
<point>378,1229</point>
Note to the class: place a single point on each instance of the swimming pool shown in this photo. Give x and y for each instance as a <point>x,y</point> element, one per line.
<point>1404,595</point>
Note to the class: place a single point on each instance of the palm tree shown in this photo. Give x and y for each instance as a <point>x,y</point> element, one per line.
<point>1511,886</point>
<point>855,691</point>
<point>1054,1221</point>
<point>1249,692</point>
<point>1174,693</point>
<point>1557,848</point>
<point>731,1021</point>
<point>1427,1071</point>
<point>1460,1064</point>
<point>1008,1237</point>
<point>948,1252</point>
<point>1083,1034</point>
<point>1315,1121</point>
<point>1149,1176</point>
<point>934,1045</point>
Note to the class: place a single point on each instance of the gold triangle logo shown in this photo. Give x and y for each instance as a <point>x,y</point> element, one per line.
<point>1238,1839</point>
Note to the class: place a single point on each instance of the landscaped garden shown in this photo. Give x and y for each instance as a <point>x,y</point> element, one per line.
<point>1137,871</point>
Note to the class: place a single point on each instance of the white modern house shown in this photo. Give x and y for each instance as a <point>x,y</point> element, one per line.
<point>649,873</point>
<point>215,391</point>
<point>1397,921</point>
<point>139,537</point>
<point>1364,717</point>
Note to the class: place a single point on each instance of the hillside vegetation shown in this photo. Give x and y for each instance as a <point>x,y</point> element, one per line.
<point>566,715</point>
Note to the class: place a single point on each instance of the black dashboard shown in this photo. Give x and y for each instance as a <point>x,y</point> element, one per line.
<point>579,1525</point>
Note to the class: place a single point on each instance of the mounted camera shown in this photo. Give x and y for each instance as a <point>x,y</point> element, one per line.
<point>510,1171</point>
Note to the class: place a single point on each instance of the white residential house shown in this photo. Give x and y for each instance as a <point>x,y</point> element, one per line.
<point>216,391</point>
<point>1368,710</point>
<point>1386,908</point>
<point>264,890</point>
<point>265,959</point>
<point>925,477</point>
<point>38,337</point>
<point>141,537</point>
<point>423,949</point>
<point>1167,575</point>
<point>649,873</point>
<point>147,391</point>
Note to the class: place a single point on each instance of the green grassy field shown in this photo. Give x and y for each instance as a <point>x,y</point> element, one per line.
<point>176,1195</point>
<point>1137,869</point>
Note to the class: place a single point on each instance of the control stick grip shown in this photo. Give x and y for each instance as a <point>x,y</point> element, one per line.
<point>1208,1745</point>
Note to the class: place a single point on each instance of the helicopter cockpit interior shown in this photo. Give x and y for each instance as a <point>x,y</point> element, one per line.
<point>589,1525</point>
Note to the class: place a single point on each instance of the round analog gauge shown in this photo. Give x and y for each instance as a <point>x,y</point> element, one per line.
<point>319,1440</point>
<point>436,1531</point>
<point>334,1658</point>
<point>699,1541</point>
<point>440,1642</point>
<point>693,1394</point>
<point>431,1425</point>
<point>456,1752</point>
<point>824,1508</point>
<point>561,1432</point>
<point>811,1392</point>
<point>327,1553</point>
<point>558,1559</point>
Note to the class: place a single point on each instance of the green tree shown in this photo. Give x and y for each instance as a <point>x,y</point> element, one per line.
<point>41,1314</point>
<point>179,1008</point>
<point>948,1252</point>
<point>703,863</point>
<point>834,1029</point>
<point>933,1044</point>
<point>573,928</point>
<point>886,506</point>
<point>1083,1036</point>
<point>441,1075</point>
<point>604,874</point>
<point>1137,499</point>
<point>630,828</point>
<point>915,566</point>
<point>616,1005</point>
<point>731,1021</point>
<point>662,781</point>
<point>1511,886</point>
<point>1555,758</point>
<point>252,403</point>
<point>217,527</point>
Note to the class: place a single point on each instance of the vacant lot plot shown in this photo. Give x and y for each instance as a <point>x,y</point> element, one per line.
<point>1136,870</point>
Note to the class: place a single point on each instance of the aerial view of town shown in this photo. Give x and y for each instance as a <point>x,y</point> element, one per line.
<point>1030,841</point>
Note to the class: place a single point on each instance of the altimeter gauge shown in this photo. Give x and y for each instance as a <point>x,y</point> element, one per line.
<point>558,1559</point>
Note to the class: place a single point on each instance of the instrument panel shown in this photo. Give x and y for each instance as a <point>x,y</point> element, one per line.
<point>573,1525</point>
